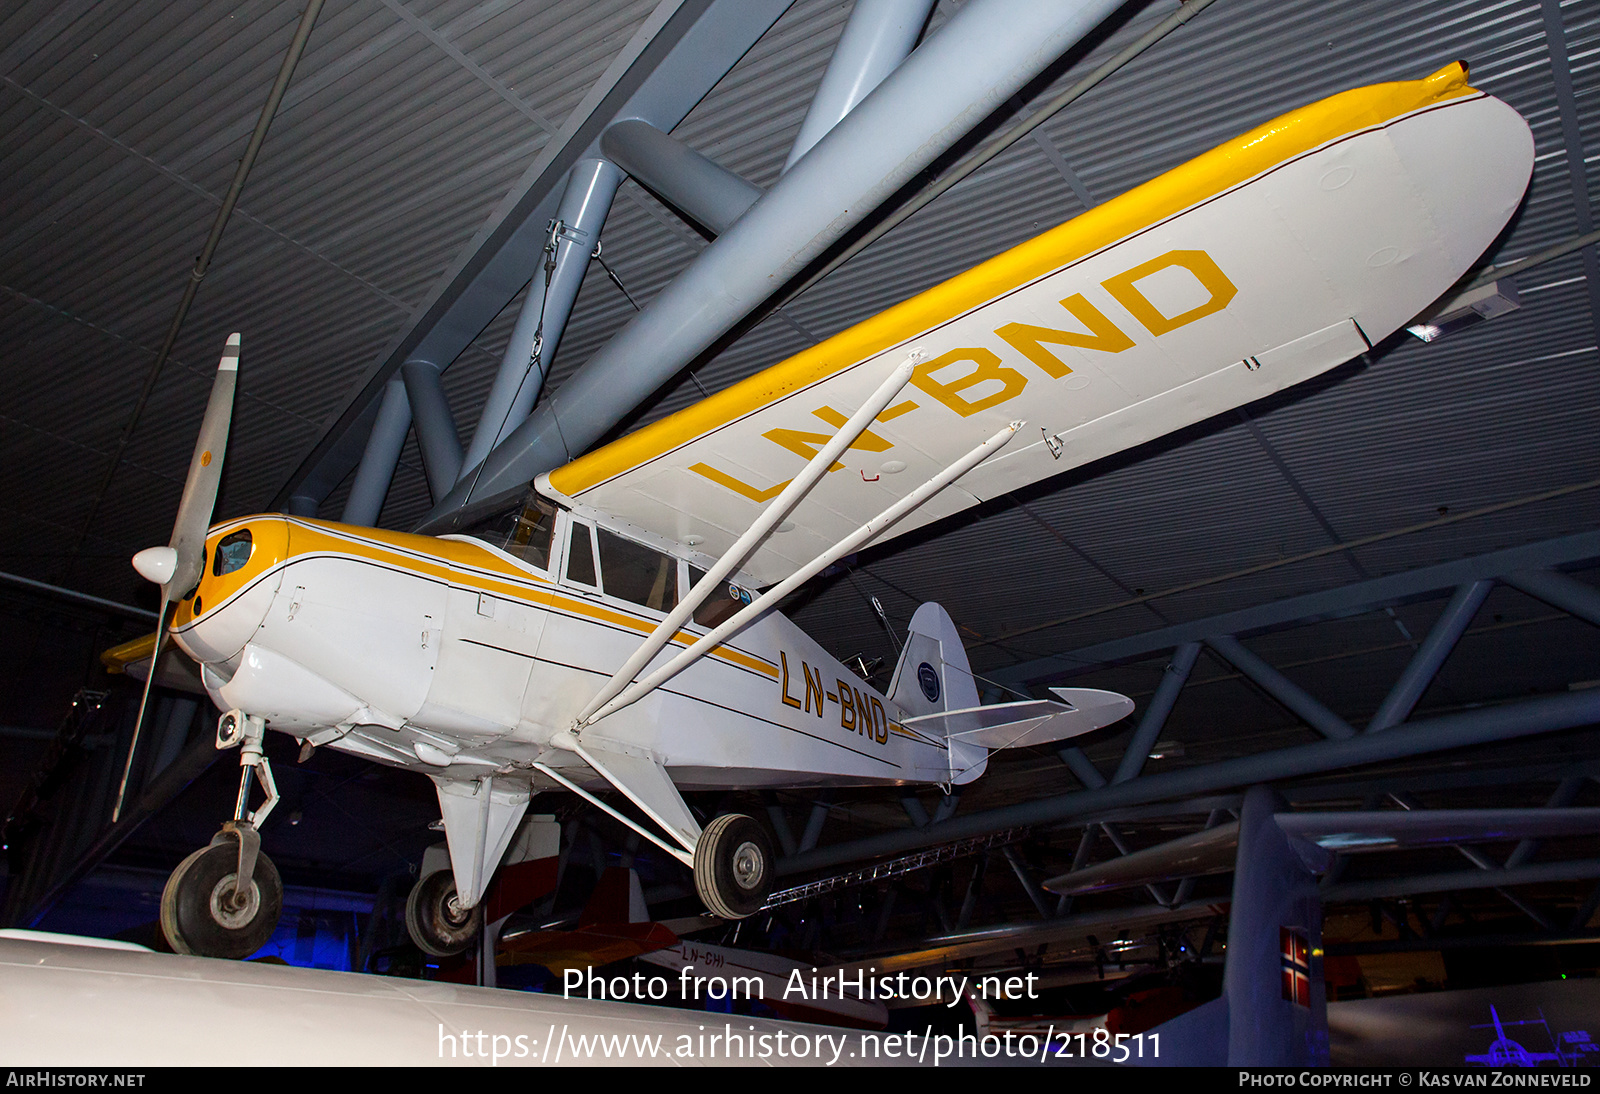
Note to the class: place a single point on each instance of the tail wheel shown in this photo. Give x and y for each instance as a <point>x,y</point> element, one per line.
<point>201,914</point>
<point>435,919</point>
<point>733,866</point>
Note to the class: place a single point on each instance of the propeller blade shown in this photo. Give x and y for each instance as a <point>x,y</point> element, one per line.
<point>177,567</point>
<point>205,474</point>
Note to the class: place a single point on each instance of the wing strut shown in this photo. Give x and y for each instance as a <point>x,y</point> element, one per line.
<point>772,596</point>
<point>769,519</point>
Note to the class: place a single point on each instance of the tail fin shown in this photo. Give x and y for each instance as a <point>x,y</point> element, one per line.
<point>932,677</point>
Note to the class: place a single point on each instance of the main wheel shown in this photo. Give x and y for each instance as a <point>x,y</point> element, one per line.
<point>435,919</point>
<point>733,866</point>
<point>201,914</point>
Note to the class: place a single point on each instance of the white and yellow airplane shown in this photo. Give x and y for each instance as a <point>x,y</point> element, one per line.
<point>607,634</point>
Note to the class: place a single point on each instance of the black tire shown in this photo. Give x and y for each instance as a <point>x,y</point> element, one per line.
<point>197,915</point>
<point>733,866</point>
<point>435,921</point>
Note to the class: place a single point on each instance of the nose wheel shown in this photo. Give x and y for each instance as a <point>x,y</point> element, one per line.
<point>435,919</point>
<point>733,866</point>
<point>225,899</point>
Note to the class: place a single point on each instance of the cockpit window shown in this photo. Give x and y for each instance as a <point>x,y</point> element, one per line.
<point>635,573</point>
<point>525,532</point>
<point>530,538</point>
<point>233,552</point>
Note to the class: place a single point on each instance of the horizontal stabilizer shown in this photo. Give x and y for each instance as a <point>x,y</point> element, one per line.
<point>1029,722</point>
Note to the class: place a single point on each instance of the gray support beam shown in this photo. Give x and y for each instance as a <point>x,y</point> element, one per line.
<point>1566,793</point>
<point>1477,858</point>
<point>707,192</point>
<point>677,56</point>
<point>1425,663</point>
<point>1485,725</point>
<point>1586,910</point>
<point>1560,591</point>
<point>1080,857</point>
<point>986,52</point>
<point>303,505</point>
<point>585,204</point>
<point>915,810</point>
<point>1173,678</point>
<point>1301,703</point>
<point>969,903</point>
<point>878,36</point>
<point>1083,767</point>
<point>436,427</point>
<point>77,598</point>
<point>1029,886</point>
<point>814,823</point>
<point>1572,138</point>
<point>1536,874</point>
<point>780,828</point>
<point>382,456</point>
<point>1340,603</point>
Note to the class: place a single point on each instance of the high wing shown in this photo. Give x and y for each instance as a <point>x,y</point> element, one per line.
<point>1265,261</point>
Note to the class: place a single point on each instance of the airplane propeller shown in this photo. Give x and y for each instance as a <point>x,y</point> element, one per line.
<point>177,567</point>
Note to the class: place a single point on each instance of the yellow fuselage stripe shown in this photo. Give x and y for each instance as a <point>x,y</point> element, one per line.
<point>451,562</point>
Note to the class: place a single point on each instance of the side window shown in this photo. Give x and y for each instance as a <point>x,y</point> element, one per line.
<point>580,556</point>
<point>530,536</point>
<point>720,604</point>
<point>638,574</point>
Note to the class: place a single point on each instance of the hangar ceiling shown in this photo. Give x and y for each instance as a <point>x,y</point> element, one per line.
<point>410,124</point>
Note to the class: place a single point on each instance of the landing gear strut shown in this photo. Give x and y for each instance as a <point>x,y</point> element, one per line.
<point>224,900</point>
<point>435,919</point>
<point>733,866</point>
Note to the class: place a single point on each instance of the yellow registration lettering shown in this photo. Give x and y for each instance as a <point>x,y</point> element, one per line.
<point>806,445</point>
<point>813,686</point>
<point>1125,289</point>
<point>847,707</point>
<point>1099,333</point>
<point>986,368</point>
<point>738,486</point>
<point>783,665</point>
<point>864,715</point>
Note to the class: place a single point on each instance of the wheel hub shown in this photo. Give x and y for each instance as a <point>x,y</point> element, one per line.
<point>232,910</point>
<point>454,913</point>
<point>749,866</point>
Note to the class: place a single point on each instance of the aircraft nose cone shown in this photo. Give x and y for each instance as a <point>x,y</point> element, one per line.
<point>156,564</point>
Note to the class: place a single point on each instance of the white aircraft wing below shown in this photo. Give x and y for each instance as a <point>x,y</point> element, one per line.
<point>1266,261</point>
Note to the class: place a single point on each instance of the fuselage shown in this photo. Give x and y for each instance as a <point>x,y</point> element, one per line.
<point>454,657</point>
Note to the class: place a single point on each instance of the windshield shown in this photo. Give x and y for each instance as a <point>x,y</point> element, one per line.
<point>524,531</point>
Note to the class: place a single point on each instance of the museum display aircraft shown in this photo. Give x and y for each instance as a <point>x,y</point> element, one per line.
<point>609,635</point>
